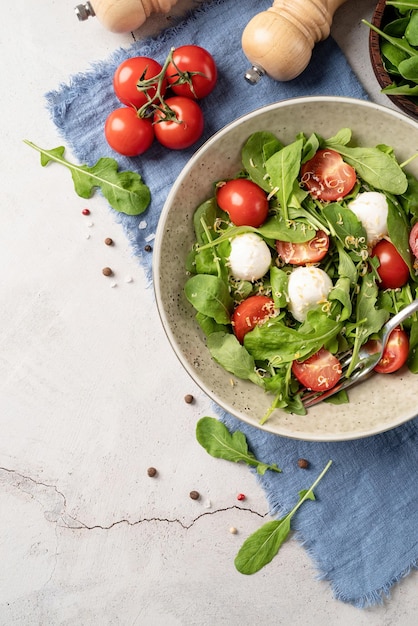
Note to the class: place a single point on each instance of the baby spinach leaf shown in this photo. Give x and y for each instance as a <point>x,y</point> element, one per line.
<point>262,546</point>
<point>376,168</point>
<point>279,282</point>
<point>346,226</point>
<point>209,295</point>
<point>398,229</point>
<point>216,439</point>
<point>342,138</point>
<point>341,293</point>
<point>124,191</point>
<point>256,150</point>
<point>283,168</point>
<point>227,351</point>
<point>408,69</point>
<point>205,214</point>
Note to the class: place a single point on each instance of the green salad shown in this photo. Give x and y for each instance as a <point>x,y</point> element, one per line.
<point>303,256</point>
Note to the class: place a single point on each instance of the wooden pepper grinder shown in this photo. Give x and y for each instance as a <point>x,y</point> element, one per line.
<point>279,41</point>
<point>122,16</point>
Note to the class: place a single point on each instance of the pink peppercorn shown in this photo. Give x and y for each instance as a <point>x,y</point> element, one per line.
<point>241,496</point>
<point>86,211</point>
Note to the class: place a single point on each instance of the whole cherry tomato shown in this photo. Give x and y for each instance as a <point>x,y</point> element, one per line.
<point>128,74</point>
<point>182,126</point>
<point>128,134</point>
<point>395,353</point>
<point>244,201</point>
<point>393,270</point>
<point>327,177</point>
<point>192,72</point>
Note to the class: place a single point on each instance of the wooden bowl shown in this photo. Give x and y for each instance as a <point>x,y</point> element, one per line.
<point>383,15</point>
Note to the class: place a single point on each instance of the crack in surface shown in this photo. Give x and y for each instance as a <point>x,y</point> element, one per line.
<point>58,513</point>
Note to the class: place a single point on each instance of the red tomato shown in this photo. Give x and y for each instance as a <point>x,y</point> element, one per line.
<point>413,240</point>
<point>319,372</point>
<point>127,133</point>
<point>191,59</point>
<point>327,177</point>
<point>244,201</point>
<point>395,353</point>
<point>393,270</point>
<point>128,74</point>
<point>184,129</point>
<point>311,251</point>
<point>250,312</point>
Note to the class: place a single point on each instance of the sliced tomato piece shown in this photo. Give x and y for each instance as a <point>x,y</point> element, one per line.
<point>250,312</point>
<point>311,251</point>
<point>320,372</point>
<point>413,240</point>
<point>327,176</point>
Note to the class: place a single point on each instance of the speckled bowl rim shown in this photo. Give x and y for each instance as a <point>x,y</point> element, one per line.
<point>374,407</point>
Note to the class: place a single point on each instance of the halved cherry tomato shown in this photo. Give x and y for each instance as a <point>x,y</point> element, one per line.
<point>244,201</point>
<point>413,240</point>
<point>186,127</point>
<point>250,312</point>
<point>319,372</point>
<point>128,74</point>
<point>327,177</point>
<point>127,133</point>
<point>191,59</point>
<point>311,251</point>
<point>393,270</point>
<point>395,353</point>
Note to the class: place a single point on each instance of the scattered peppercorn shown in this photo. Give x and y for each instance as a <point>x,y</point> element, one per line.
<point>107,271</point>
<point>108,241</point>
<point>233,530</point>
<point>188,398</point>
<point>195,495</point>
<point>303,463</point>
<point>85,212</point>
<point>151,471</point>
<point>241,496</point>
<point>148,248</point>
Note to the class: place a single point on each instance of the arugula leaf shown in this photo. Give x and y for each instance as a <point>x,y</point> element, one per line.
<point>283,168</point>
<point>227,351</point>
<point>214,436</point>
<point>262,546</point>
<point>256,150</point>
<point>124,191</point>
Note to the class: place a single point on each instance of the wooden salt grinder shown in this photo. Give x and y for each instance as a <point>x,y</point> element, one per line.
<point>122,16</point>
<point>279,41</point>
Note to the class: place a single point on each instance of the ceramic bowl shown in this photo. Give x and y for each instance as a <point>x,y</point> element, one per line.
<point>382,15</point>
<point>379,404</point>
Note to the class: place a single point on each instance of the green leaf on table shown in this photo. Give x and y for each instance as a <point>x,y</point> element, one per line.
<point>263,545</point>
<point>124,190</point>
<point>217,440</point>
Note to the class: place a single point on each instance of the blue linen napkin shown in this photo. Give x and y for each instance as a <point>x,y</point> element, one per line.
<point>362,531</point>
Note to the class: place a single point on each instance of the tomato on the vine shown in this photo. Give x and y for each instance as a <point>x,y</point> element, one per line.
<point>395,353</point>
<point>181,127</point>
<point>319,372</point>
<point>393,271</point>
<point>127,133</point>
<point>192,72</point>
<point>311,251</point>
<point>327,176</point>
<point>244,201</point>
<point>250,312</point>
<point>127,75</point>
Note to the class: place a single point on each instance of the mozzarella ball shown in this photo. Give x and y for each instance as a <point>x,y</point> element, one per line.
<point>250,257</point>
<point>371,208</point>
<point>308,286</point>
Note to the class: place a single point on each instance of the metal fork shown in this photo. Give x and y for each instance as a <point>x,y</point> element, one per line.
<point>365,364</point>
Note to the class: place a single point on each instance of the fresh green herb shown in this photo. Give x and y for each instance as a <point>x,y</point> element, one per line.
<point>124,191</point>
<point>220,443</point>
<point>399,47</point>
<point>263,545</point>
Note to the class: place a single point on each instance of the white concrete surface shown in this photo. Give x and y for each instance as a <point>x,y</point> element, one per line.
<point>91,395</point>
